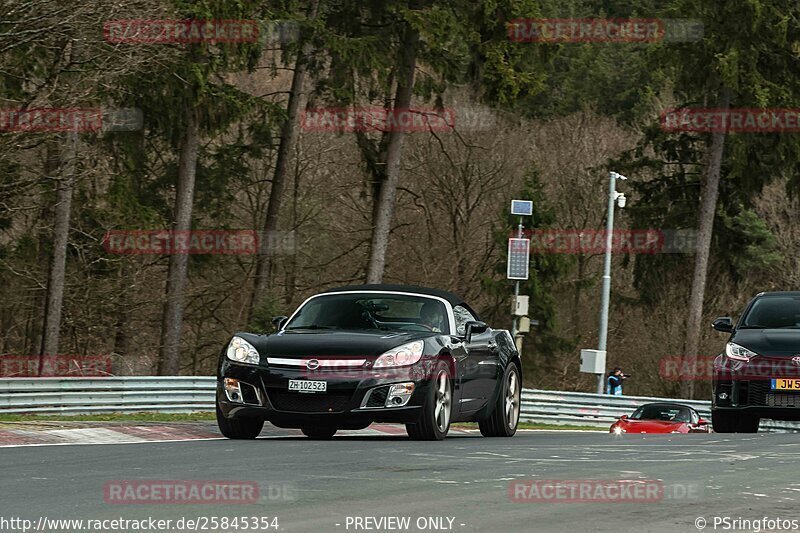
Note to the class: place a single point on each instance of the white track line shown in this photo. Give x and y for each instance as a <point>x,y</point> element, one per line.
<point>39,444</point>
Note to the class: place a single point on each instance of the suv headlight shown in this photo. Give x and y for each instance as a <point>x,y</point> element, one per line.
<point>404,355</point>
<point>241,351</point>
<point>738,353</point>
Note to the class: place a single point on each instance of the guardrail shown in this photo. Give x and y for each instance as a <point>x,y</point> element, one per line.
<point>106,395</point>
<point>601,410</point>
<point>72,396</point>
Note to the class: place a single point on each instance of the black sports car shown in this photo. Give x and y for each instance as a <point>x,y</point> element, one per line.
<point>372,353</point>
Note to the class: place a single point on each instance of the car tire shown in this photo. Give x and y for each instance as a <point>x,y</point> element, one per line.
<point>434,421</point>
<point>239,428</point>
<point>504,418</point>
<point>319,432</point>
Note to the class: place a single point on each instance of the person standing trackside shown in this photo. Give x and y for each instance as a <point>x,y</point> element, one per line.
<point>614,382</point>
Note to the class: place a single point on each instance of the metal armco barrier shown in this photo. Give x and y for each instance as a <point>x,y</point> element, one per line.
<point>601,410</point>
<point>187,394</point>
<point>107,395</point>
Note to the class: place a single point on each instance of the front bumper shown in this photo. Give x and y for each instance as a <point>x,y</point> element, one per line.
<point>353,398</point>
<point>755,397</point>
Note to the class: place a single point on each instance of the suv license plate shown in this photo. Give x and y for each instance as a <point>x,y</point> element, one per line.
<point>786,384</point>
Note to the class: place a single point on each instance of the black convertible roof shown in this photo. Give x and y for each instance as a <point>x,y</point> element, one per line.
<point>449,296</point>
<point>670,404</point>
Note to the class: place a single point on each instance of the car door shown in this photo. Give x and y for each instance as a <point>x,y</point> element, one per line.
<point>478,370</point>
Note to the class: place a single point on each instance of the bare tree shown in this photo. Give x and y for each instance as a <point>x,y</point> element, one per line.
<point>169,360</point>
<point>55,280</point>
<point>708,208</point>
<point>289,134</point>
<point>388,190</point>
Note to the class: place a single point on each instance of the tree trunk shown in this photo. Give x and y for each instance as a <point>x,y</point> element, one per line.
<point>708,207</point>
<point>55,280</point>
<point>291,267</point>
<point>169,358</point>
<point>388,190</point>
<point>289,134</point>
<point>576,297</point>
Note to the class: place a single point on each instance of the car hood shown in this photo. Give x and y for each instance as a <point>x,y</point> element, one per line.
<point>650,426</point>
<point>304,343</point>
<point>773,342</point>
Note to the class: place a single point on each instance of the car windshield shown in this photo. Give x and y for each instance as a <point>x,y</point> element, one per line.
<point>669,413</point>
<point>372,311</point>
<point>773,313</point>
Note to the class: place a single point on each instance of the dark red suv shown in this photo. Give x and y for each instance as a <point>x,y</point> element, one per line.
<point>758,374</point>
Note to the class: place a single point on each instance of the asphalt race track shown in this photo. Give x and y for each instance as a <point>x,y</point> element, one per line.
<point>313,486</point>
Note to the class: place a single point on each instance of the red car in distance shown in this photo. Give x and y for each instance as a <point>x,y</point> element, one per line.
<point>661,418</point>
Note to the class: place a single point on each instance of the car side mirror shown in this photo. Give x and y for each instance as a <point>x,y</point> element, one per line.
<point>279,321</point>
<point>702,422</point>
<point>473,327</point>
<point>623,417</point>
<point>724,324</point>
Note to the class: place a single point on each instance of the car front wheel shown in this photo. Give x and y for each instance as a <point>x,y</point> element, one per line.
<point>239,428</point>
<point>504,418</point>
<point>434,421</point>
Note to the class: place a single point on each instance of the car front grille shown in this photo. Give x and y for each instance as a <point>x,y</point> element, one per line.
<point>756,393</point>
<point>760,393</point>
<point>299,402</point>
<point>783,400</point>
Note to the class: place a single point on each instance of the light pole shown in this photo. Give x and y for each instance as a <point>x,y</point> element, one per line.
<point>613,196</point>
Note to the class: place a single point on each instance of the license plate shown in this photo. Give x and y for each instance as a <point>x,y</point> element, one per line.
<point>786,384</point>
<point>307,385</point>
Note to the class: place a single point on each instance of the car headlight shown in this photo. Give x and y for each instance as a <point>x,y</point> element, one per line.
<point>241,351</point>
<point>404,355</point>
<point>618,430</point>
<point>738,353</point>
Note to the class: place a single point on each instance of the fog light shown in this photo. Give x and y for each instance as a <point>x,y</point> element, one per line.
<point>232,390</point>
<point>399,394</point>
<point>722,395</point>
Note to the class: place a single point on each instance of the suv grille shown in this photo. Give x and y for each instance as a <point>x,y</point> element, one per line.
<point>783,400</point>
<point>299,402</point>
<point>757,392</point>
